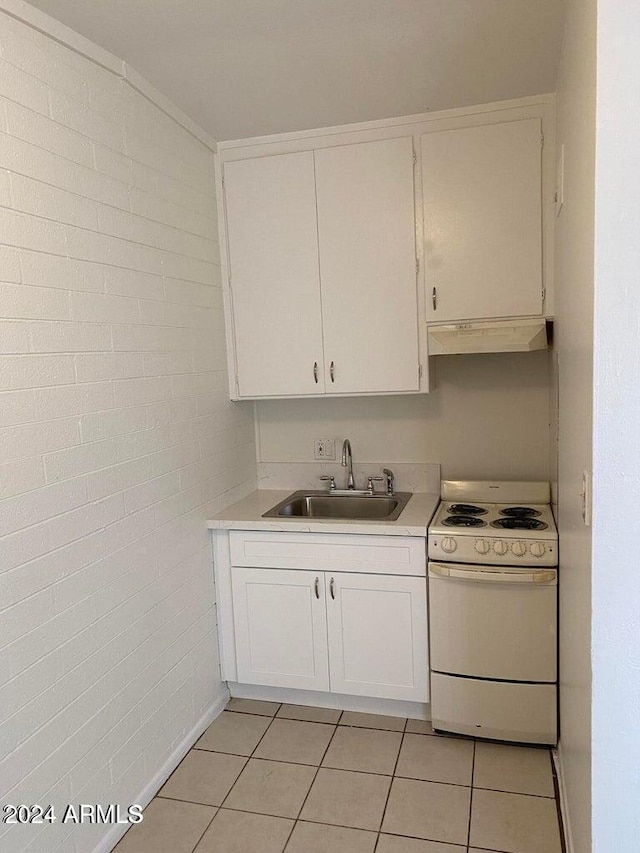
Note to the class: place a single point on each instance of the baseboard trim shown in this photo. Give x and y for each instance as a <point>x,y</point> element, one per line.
<point>321,699</point>
<point>109,841</point>
<point>562,791</point>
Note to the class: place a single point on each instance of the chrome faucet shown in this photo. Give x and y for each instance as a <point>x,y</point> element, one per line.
<point>390,480</point>
<point>347,461</point>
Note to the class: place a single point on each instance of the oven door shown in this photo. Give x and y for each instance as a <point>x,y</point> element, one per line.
<point>493,622</point>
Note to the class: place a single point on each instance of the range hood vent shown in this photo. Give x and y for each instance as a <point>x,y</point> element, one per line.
<point>488,336</point>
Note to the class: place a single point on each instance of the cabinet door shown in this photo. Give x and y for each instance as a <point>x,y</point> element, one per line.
<point>366,227</point>
<point>483,221</point>
<point>273,263</point>
<point>378,636</point>
<point>280,628</point>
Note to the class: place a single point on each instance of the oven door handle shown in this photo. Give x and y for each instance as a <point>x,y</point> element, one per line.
<point>492,575</point>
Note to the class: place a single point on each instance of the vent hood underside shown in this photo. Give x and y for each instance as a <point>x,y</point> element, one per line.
<point>488,336</point>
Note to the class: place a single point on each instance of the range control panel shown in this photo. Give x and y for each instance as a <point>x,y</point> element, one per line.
<point>493,551</point>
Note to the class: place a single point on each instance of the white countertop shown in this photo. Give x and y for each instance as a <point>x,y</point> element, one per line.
<point>247,515</point>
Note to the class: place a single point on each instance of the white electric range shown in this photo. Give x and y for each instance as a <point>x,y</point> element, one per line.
<point>493,552</point>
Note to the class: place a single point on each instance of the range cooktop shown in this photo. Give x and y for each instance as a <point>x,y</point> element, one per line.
<point>468,527</point>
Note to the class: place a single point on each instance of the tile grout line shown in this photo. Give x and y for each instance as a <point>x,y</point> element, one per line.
<point>556,794</point>
<point>473,770</point>
<point>440,735</point>
<point>362,772</point>
<point>315,776</point>
<point>250,756</point>
<point>215,814</point>
<point>393,776</point>
<point>307,820</point>
<point>502,791</point>
<point>263,735</point>
<point>253,713</point>
<point>318,823</point>
<point>297,818</point>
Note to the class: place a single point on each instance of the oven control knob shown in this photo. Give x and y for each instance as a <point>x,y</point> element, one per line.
<point>482,546</point>
<point>519,549</point>
<point>500,547</point>
<point>448,544</point>
<point>538,549</point>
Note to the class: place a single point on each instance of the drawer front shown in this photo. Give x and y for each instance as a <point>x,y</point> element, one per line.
<point>388,555</point>
<point>500,710</point>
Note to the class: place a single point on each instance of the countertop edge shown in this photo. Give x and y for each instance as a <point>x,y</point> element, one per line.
<point>246,514</point>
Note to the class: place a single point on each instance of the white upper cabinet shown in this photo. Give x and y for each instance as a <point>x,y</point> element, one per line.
<point>322,269</point>
<point>340,250</point>
<point>366,230</point>
<point>482,205</point>
<point>273,268</point>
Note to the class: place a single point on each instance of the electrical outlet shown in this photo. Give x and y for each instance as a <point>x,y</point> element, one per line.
<point>324,448</point>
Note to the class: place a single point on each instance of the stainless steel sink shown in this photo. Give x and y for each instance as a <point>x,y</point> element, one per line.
<point>359,506</point>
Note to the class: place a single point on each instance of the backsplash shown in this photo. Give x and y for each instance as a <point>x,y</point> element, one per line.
<point>486,417</point>
<point>409,477</point>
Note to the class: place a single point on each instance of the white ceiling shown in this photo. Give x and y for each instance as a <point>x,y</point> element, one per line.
<point>249,67</point>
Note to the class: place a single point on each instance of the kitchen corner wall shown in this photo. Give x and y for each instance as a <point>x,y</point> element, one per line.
<point>487,416</point>
<point>574,274</point>
<point>615,591</point>
<point>116,434</point>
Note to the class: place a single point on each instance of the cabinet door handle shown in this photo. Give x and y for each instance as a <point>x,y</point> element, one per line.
<point>315,371</point>
<point>316,586</point>
<point>434,298</point>
<point>332,589</point>
<point>332,372</point>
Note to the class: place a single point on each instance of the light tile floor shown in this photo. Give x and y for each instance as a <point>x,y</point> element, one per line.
<point>268,778</point>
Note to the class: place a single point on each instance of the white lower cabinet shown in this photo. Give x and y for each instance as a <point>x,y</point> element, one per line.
<point>357,634</point>
<point>377,636</point>
<point>280,628</point>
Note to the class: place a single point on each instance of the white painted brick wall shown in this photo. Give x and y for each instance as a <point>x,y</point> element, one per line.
<point>117,439</point>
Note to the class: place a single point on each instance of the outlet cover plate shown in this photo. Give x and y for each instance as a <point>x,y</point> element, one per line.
<point>324,448</point>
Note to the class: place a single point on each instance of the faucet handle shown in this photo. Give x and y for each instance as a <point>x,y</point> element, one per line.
<point>370,481</point>
<point>390,480</point>
<point>331,479</point>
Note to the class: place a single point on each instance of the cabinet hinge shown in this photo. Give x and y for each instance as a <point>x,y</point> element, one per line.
<point>415,158</point>
<point>419,371</point>
<point>542,140</point>
<point>544,294</point>
<point>237,384</point>
<point>417,265</point>
<point>223,182</point>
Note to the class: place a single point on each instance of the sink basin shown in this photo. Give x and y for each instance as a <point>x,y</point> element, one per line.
<point>359,506</point>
